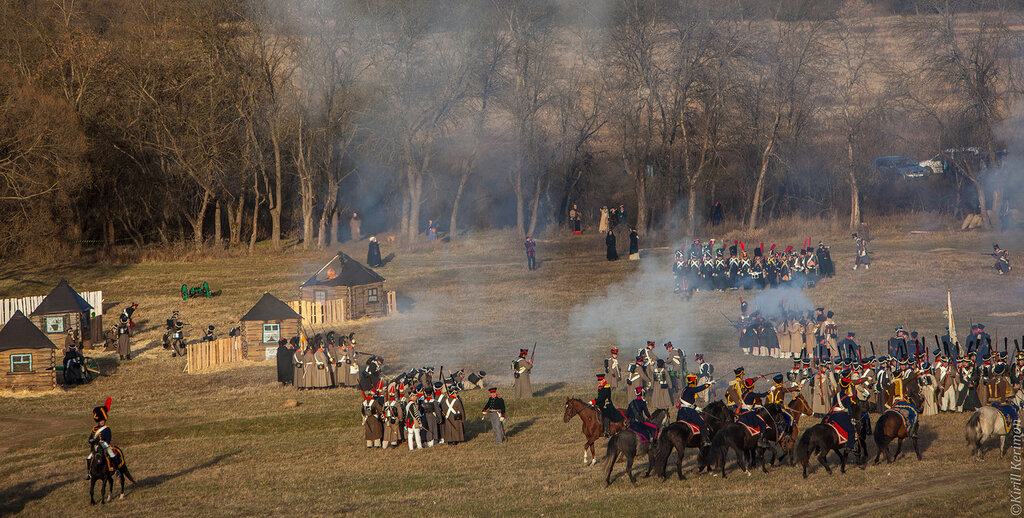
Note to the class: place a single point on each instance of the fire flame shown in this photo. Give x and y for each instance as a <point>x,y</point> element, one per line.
<point>331,274</point>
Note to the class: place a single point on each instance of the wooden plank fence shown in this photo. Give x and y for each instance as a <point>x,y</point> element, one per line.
<point>391,306</point>
<point>320,313</point>
<point>29,304</point>
<point>203,356</point>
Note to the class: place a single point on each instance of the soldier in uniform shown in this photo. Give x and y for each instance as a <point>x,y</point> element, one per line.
<point>285,368</point>
<point>898,345</point>
<point>777,392</point>
<point>521,368</point>
<point>102,434</point>
<point>1002,259</point>
<point>454,416</point>
<point>979,342</point>
<point>734,392</point>
<point>431,417</point>
<point>321,374</point>
<point>676,363</point>
<point>661,397</point>
<point>862,258</point>
<point>414,421</point>
<point>705,376</point>
<point>299,362</point>
<point>824,388</point>
<point>124,348</point>
<point>639,416</point>
<point>373,429</point>
<point>612,370</point>
<point>495,408</point>
<point>647,352</point>
<point>637,374</point>
<point>392,418</point>
<point>688,409</point>
<point>531,253</point>
<point>603,402</point>
<point>848,348</point>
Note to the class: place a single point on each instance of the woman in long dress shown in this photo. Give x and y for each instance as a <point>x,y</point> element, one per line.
<point>604,220</point>
<point>609,243</point>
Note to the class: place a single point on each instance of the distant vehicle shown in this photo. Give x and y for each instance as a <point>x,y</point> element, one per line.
<point>900,167</point>
<point>937,164</point>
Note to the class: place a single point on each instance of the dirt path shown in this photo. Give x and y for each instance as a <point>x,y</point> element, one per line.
<point>901,493</point>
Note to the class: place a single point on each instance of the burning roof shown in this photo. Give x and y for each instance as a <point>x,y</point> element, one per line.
<point>343,270</point>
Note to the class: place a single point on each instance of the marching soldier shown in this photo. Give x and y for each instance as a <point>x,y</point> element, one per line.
<point>454,416</point>
<point>637,374</point>
<point>676,363</point>
<point>660,387</point>
<point>299,361</point>
<point>648,355</point>
<point>521,368</point>
<point>393,418</point>
<point>414,421</point>
<point>430,416</point>
<point>495,408</point>
<point>612,370</point>
<point>373,430</point>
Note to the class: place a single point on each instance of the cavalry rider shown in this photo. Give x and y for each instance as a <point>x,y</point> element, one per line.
<point>749,396</point>
<point>688,410</point>
<point>101,434</point>
<point>842,412</point>
<point>639,417</point>
<point>734,392</point>
<point>705,374</point>
<point>777,392</point>
<point>604,403</point>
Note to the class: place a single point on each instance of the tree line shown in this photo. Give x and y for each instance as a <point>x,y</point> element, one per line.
<point>228,122</point>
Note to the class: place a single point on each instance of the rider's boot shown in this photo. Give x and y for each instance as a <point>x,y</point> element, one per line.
<point>605,426</point>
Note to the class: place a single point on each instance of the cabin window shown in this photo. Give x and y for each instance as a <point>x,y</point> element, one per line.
<point>320,296</point>
<point>271,333</point>
<point>21,363</point>
<point>54,324</point>
<point>371,295</point>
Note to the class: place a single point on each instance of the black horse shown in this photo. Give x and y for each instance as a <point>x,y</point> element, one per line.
<point>680,436</point>
<point>628,444</point>
<point>820,439</point>
<point>99,469</point>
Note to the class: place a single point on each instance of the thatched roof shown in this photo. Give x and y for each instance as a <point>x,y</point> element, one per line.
<point>270,307</point>
<point>343,270</point>
<point>21,333</point>
<point>63,299</point>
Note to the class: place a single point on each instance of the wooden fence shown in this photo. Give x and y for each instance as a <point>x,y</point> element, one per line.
<point>29,304</point>
<point>207,355</point>
<point>320,313</point>
<point>391,306</point>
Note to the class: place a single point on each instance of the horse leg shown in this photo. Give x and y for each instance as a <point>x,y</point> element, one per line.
<point>917,450</point>
<point>823,460</point>
<point>899,447</point>
<point>585,446</point>
<point>679,464</point>
<point>92,489</point>
<point>842,461</point>
<point>629,468</point>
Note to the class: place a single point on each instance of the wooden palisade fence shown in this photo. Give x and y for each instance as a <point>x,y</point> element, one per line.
<point>320,313</point>
<point>204,356</point>
<point>29,304</point>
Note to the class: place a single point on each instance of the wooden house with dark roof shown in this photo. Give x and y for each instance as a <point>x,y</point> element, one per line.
<point>62,310</point>
<point>343,278</point>
<point>268,321</point>
<point>27,356</point>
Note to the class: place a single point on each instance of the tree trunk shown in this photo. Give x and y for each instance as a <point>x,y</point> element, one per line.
<point>216,224</point>
<point>334,225</point>
<point>255,225</point>
<point>323,239</point>
<point>691,208</point>
<point>533,207</point>
<point>275,202</point>
<point>982,206</point>
<point>197,222</point>
<point>755,205</point>
<point>415,203</point>
<point>854,190</point>
<point>517,189</point>
<point>235,215</point>
<point>640,174</point>
<point>452,223</point>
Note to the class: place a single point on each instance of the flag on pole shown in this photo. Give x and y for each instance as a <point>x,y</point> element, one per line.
<point>949,313</point>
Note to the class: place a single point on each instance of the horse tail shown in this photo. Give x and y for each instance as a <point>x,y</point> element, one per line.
<point>972,431</point>
<point>880,430</point>
<point>612,448</point>
<point>803,448</point>
<point>611,452</point>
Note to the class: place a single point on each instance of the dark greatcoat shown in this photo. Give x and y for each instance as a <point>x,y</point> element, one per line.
<point>609,242</point>
<point>285,368</point>
<point>373,255</point>
<point>634,243</point>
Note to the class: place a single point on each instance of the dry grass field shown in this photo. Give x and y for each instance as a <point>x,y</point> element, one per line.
<point>220,444</point>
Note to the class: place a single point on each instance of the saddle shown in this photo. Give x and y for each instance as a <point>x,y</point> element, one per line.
<point>753,422</point>
<point>113,464</point>
<point>907,412</point>
<point>1009,413</point>
<point>841,434</point>
<point>647,431</point>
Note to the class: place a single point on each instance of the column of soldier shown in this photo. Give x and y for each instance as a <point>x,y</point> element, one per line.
<point>704,266</point>
<point>786,334</point>
<point>326,361</point>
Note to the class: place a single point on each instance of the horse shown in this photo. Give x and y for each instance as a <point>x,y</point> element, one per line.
<point>988,422</point>
<point>748,446</point>
<point>679,435</point>
<point>593,429</point>
<point>628,444</point>
<point>788,418</point>
<point>99,470</point>
<point>817,441</point>
<point>892,425</point>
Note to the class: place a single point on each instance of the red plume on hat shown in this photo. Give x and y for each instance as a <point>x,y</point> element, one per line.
<point>788,249</point>
<point>106,404</point>
<point>772,248</point>
<point>742,247</point>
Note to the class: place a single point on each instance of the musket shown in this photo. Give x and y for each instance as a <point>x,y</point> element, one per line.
<point>872,347</point>
<point>533,353</point>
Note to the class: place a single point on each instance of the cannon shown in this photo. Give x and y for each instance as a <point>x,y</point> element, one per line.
<point>202,290</point>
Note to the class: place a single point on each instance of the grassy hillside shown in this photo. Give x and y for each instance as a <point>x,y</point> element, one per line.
<point>220,443</point>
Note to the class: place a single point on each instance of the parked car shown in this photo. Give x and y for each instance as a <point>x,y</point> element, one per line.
<point>900,167</point>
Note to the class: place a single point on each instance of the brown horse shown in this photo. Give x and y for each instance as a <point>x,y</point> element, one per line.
<point>592,427</point>
<point>891,425</point>
<point>788,437</point>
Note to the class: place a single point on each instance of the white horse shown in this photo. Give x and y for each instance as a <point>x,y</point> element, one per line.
<point>987,422</point>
